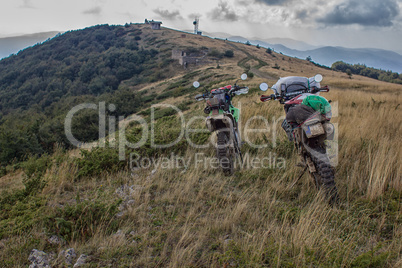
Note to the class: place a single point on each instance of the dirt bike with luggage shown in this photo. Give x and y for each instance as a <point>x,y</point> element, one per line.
<point>308,126</point>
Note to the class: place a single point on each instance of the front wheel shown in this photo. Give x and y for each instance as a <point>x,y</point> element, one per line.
<point>224,152</point>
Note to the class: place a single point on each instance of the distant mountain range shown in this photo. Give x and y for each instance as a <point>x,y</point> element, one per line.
<point>287,42</point>
<point>377,58</point>
<point>11,45</point>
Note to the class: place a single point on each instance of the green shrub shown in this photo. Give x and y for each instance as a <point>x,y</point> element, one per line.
<point>229,53</point>
<point>21,215</point>
<point>148,98</point>
<point>370,259</point>
<point>33,185</point>
<point>234,256</point>
<point>164,113</point>
<point>82,220</point>
<point>98,161</point>
<point>3,171</point>
<point>182,83</point>
<point>36,165</point>
<point>215,53</point>
<point>184,105</point>
<point>164,95</point>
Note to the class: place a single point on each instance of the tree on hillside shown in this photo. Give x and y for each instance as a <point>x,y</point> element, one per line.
<point>229,53</point>
<point>361,69</point>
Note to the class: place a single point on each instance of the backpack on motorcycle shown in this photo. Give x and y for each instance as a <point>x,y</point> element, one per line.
<point>294,85</point>
<point>219,99</point>
<point>318,103</point>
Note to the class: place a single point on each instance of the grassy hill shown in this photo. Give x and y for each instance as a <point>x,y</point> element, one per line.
<point>173,212</point>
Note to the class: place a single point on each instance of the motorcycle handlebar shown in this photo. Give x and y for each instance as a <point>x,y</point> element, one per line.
<point>200,97</point>
<point>265,98</point>
<point>322,89</point>
<point>236,88</point>
<point>207,95</point>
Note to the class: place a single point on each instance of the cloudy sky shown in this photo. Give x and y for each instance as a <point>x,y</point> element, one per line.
<point>349,23</point>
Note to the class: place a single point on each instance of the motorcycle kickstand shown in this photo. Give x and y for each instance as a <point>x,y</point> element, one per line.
<point>241,157</point>
<point>237,148</point>
<point>238,152</point>
<point>301,175</point>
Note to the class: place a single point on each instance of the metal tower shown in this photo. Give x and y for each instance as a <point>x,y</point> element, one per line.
<point>196,22</point>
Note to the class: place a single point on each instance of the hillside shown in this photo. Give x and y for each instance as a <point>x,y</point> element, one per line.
<point>41,84</point>
<point>159,207</point>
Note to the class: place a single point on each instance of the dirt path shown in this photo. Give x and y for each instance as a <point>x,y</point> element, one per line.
<point>255,70</point>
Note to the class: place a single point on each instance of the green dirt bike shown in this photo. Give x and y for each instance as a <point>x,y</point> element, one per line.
<point>223,119</point>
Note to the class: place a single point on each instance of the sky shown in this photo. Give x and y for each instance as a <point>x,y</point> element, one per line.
<point>348,23</point>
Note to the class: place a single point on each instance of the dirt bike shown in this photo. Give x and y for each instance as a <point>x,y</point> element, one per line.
<point>310,135</point>
<point>223,120</point>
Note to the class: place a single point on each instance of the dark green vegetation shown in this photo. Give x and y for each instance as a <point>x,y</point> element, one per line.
<point>361,69</point>
<point>42,83</point>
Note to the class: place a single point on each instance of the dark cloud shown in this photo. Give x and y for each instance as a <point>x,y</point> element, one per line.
<point>27,4</point>
<point>93,11</point>
<point>302,14</point>
<point>243,2</point>
<point>194,15</point>
<point>367,13</point>
<point>273,2</point>
<point>166,14</point>
<point>223,12</point>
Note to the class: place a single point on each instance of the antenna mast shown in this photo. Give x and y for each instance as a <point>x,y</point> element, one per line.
<point>196,22</point>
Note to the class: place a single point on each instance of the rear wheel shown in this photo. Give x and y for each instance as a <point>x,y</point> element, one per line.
<point>224,153</point>
<point>324,177</point>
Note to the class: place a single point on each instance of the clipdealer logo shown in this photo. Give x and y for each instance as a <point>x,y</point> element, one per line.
<point>203,161</point>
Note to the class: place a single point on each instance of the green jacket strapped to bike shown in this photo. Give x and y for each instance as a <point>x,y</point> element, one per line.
<point>318,103</point>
